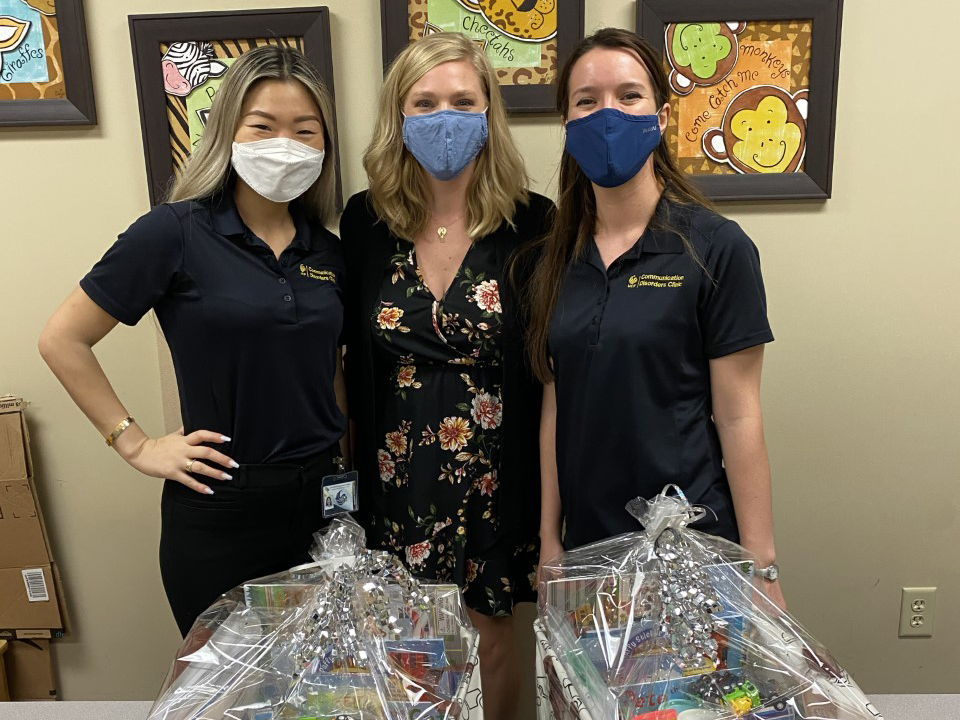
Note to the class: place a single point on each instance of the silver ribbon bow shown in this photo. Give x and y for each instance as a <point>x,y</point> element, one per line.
<point>356,604</point>
<point>687,602</point>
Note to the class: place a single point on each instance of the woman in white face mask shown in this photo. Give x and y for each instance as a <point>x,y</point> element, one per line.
<point>445,410</point>
<point>246,283</point>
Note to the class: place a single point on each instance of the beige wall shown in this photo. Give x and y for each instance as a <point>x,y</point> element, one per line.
<point>861,388</point>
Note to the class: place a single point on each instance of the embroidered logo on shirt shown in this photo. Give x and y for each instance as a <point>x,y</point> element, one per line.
<point>657,281</point>
<point>315,274</point>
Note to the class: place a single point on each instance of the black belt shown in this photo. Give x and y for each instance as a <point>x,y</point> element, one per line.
<point>272,474</point>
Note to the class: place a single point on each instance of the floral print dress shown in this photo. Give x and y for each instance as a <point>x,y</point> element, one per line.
<point>440,361</point>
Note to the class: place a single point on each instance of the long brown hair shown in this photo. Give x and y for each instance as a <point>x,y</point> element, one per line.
<point>576,214</point>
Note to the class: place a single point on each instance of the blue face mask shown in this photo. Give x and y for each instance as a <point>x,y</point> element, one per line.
<point>611,146</point>
<point>445,142</point>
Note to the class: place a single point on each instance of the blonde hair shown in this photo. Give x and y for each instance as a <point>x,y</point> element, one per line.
<point>398,188</point>
<point>208,167</point>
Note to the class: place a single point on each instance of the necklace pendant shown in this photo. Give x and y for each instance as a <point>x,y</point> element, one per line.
<point>441,232</point>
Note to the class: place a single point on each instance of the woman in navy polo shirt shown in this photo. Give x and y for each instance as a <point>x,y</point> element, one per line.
<point>246,284</point>
<point>648,320</point>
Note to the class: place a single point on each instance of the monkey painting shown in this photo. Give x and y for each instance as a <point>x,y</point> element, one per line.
<point>764,130</point>
<point>701,54</point>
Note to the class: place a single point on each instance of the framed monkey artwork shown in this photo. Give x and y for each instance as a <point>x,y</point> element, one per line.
<point>180,59</point>
<point>526,40</point>
<point>753,93</point>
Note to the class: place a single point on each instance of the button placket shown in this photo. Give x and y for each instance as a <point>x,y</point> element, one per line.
<point>287,280</point>
<point>288,295</point>
<point>600,309</point>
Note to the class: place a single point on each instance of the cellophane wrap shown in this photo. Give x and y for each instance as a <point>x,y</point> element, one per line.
<point>351,636</point>
<point>669,623</point>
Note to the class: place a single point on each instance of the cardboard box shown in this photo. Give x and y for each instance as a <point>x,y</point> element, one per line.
<point>29,605</point>
<point>29,669</point>
<point>15,462</point>
<point>22,540</point>
<point>30,590</point>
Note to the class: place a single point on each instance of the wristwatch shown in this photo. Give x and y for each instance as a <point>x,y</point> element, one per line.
<point>771,573</point>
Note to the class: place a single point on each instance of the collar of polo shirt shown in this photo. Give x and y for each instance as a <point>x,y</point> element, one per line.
<point>226,220</point>
<point>653,240</point>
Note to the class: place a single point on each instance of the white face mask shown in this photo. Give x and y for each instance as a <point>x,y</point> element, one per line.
<point>279,169</point>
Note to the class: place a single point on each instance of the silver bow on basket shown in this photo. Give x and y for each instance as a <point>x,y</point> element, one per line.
<point>687,603</point>
<point>356,601</point>
<point>686,597</point>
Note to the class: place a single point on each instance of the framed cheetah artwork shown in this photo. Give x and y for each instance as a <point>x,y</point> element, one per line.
<point>526,40</point>
<point>753,93</point>
<point>44,66</point>
<point>180,60</point>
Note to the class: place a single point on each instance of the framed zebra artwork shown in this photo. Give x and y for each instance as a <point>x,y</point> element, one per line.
<point>180,60</point>
<point>525,40</point>
<point>44,66</point>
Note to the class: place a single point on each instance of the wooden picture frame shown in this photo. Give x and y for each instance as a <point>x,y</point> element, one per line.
<point>167,121</point>
<point>716,113</point>
<point>44,64</point>
<point>525,88</point>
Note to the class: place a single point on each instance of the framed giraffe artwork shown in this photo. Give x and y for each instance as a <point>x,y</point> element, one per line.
<point>753,93</point>
<point>526,40</point>
<point>44,65</point>
<point>179,63</point>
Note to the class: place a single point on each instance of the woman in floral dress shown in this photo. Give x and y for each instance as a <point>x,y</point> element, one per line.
<point>443,423</point>
<point>444,411</point>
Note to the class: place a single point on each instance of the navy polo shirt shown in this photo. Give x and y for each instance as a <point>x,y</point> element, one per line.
<point>631,346</point>
<point>254,339</point>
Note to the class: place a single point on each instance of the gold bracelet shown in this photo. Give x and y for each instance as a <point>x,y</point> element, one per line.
<point>118,430</point>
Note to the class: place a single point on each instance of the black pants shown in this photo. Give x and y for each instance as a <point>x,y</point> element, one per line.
<point>257,524</point>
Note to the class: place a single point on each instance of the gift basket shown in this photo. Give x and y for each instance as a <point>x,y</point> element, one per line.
<point>351,636</point>
<point>670,624</point>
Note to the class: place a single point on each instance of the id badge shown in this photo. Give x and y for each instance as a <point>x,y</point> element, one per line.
<point>339,492</point>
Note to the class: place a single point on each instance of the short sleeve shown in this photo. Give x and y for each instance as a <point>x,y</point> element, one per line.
<point>733,305</point>
<point>136,272</point>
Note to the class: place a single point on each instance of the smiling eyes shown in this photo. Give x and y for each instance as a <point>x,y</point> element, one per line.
<point>461,103</point>
<point>627,97</point>
<point>266,128</point>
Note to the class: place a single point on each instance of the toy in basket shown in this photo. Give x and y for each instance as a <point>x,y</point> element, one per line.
<point>670,624</point>
<point>350,637</point>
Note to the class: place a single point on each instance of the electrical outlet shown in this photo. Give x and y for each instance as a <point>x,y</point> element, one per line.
<point>916,611</point>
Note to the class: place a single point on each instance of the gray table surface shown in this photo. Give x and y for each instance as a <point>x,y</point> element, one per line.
<point>893,707</point>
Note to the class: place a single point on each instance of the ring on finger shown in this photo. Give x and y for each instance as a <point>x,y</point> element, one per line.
<point>189,466</point>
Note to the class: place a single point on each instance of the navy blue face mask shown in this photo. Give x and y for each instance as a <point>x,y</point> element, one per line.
<point>445,142</point>
<point>612,146</point>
